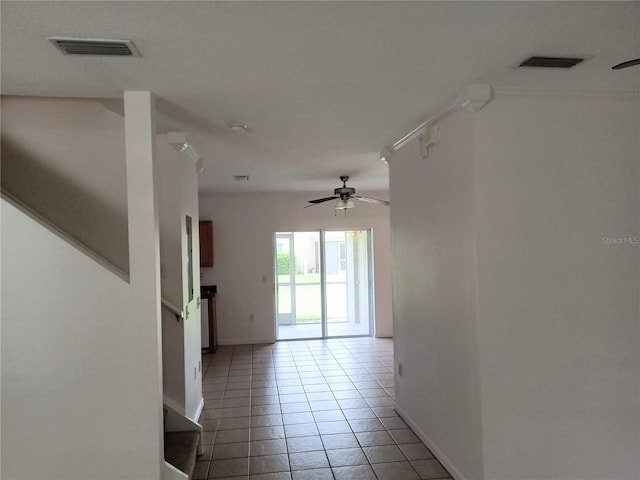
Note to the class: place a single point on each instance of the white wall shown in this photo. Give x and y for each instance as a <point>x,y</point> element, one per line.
<point>243,231</point>
<point>65,159</point>
<point>513,318</point>
<point>81,381</point>
<point>178,190</point>
<point>559,309</point>
<point>75,403</point>
<point>434,294</point>
<point>192,325</point>
<point>171,259</point>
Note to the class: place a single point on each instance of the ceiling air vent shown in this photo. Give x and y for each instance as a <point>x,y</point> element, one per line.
<point>241,178</point>
<point>551,62</point>
<point>95,46</point>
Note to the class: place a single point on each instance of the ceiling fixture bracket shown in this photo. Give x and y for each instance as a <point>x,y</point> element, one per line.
<point>472,98</point>
<point>431,136</point>
<point>385,155</point>
<point>183,144</point>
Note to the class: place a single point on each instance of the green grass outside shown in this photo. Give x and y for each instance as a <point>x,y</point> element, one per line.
<point>301,278</point>
<point>308,301</point>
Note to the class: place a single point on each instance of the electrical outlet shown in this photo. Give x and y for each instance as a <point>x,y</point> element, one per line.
<point>399,369</point>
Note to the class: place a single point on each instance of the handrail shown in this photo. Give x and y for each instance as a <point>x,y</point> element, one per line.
<point>173,309</point>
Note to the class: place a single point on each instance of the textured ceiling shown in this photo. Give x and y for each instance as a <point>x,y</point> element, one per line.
<point>323,86</point>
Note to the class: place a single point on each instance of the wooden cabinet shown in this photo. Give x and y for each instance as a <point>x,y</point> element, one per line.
<point>206,243</point>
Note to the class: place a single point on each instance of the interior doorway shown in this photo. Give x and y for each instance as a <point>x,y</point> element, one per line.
<point>324,284</point>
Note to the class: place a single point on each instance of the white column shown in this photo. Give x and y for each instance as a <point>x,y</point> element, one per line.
<point>144,257</point>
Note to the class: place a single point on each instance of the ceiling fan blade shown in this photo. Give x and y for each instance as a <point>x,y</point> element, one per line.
<point>629,63</point>
<point>321,200</point>
<point>371,200</point>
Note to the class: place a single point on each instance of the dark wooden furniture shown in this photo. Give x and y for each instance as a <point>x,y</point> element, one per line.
<point>206,243</point>
<point>208,292</point>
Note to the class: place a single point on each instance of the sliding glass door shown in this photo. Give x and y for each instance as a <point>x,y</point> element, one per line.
<point>298,285</point>
<point>324,284</point>
<point>348,283</point>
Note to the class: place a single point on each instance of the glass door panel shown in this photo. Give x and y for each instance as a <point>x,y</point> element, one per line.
<point>298,286</point>
<point>348,283</point>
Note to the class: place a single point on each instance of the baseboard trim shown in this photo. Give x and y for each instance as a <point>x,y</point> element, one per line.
<point>442,458</point>
<point>196,417</point>
<point>384,335</point>
<point>245,341</point>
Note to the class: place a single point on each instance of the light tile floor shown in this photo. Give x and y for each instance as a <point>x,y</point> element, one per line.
<point>317,409</point>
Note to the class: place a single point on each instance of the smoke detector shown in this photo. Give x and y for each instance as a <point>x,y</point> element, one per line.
<point>95,46</point>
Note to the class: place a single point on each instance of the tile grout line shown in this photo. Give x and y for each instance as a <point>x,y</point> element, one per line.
<point>320,359</point>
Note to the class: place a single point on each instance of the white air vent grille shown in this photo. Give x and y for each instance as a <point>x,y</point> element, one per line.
<point>95,46</point>
<point>241,178</point>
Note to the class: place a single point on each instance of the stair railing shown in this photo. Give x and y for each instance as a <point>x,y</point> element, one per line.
<point>173,309</point>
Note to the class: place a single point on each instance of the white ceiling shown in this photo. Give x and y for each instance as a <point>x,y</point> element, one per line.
<point>323,86</point>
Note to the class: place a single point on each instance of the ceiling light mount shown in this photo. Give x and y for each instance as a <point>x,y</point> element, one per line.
<point>237,127</point>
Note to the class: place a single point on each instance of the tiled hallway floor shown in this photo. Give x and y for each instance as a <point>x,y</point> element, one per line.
<point>318,409</point>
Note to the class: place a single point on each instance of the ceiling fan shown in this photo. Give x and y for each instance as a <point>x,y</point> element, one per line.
<point>344,195</point>
<point>629,63</point>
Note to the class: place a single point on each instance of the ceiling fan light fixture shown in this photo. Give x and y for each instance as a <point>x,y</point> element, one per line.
<point>342,204</point>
